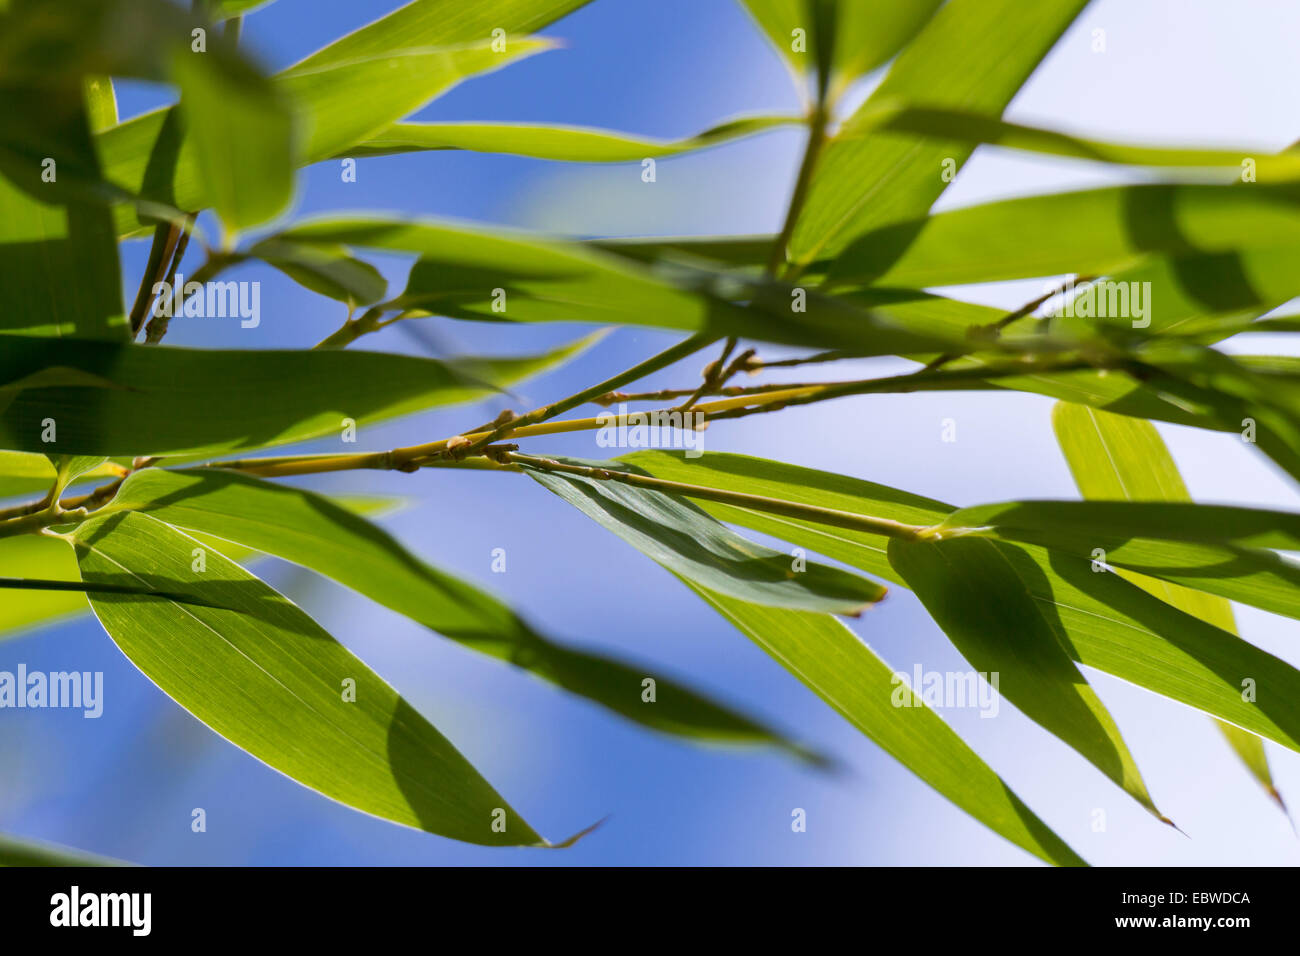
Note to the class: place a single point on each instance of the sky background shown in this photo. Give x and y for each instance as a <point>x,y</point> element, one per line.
<point>1174,71</point>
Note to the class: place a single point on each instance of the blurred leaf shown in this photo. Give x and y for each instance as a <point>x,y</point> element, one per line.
<point>1118,458</point>
<point>729,250</point>
<point>59,269</point>
<point>225,9</point>
<point>1112,624</point>
<point>266,677</point>
<point>975,54</point>
<point>314,532</point>
<point>677,535</point>
<point>863,33</point>
<point>15,852</point>
<point>262,398</point>
<point>974,593</point>
<point>1212,548</point>
<point>974,129</point>
<point>836,665</point>
<point>461,267</point>
<point>440,22</point>
<point>576,144</point>
<point>241,130</point>
<point>32,556</point>
<point>101,103</point>
<point>1109,229</point>
<point>349,101</point>
<point>341,95</point>
<point>327,270</point>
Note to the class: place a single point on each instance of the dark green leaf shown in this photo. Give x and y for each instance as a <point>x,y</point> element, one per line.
<point>679,536</point>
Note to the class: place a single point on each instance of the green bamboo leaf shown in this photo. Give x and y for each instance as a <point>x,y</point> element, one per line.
<point>842,670</point>
<point>679,536</point>
<point>440,23</point>
<point>263,402</point>
<point>862,34</point>
<point>1112,624</point>
<point>101,103</point>
<point>748,251</point>
<point>1215,548</point>
<point>241,128</point>
<point>327,270</point>
<point>462,267</point>
<point>1080,522</point>
<point>316,533</point>
<point>1110,229</point>
<point>68,468</point>
<point>15,852</point>
<point>973,53</point>
<point>265,676</point>
<point>352,89</point>
<point>972,590</point>
<point>349,101</point>
<point>974,129</point>
<point>1118,458</point>
<point>24,557</point>
<point>225,9</point>
<point>59,272</point>
<point>37,557</point>
<point>574,144</point>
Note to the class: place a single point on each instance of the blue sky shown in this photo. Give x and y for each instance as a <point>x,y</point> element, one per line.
<point>1191,71</point>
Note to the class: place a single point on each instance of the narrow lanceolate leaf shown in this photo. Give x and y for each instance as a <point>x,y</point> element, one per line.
<point>312,531</point>
<point>1112,624</point>
<point>59,272</point>
<point>679,536</point>
<point>1109,229</point>
<point>1119,458</point>
<point>548,280</point>
<point>440,22</point>
<point>836,665</point>
<point>334,107</point>
<point>974,129</point>
<point>974,54</point>
<point>1214,548</point>
<point>15,852</point>
<point>265,676</point>
<point>575,144</point>
<point>154,400</point>
<point>974,593</point>
<point>240,128</point>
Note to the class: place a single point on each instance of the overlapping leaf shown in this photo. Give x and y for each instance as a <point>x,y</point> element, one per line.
<point>682,538</point>
<point>836,665</point>
<point>1118,458</point>
<point>974,54</point>
<point>151,400</point>
<point>314,532</point>
<point>1112,624</point>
